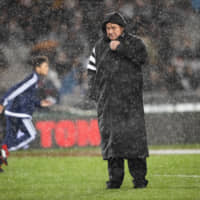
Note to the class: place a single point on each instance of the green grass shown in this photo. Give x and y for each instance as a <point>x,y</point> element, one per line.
<point>171,177</point>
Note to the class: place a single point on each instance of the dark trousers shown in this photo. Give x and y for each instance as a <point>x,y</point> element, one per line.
<point>137,168</point>
<point>19,133</point>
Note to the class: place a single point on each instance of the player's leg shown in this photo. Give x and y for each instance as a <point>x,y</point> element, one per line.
<point>12,126</point>
<point>25,134</point>
<point>1,162</point>
<point>138,170</point>
<point>2,130</point>
<point>116,172</point>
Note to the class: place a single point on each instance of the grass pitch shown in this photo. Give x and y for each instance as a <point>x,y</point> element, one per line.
<point>171,177</point>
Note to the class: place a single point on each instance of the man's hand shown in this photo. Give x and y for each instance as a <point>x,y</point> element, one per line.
<point>46,103</point>
<point>114,44</point>
<point>1,108</point>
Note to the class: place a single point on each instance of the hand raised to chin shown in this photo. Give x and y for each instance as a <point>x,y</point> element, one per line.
<point>114,44</point>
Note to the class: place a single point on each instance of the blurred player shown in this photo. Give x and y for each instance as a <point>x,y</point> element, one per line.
<point>19,103</point>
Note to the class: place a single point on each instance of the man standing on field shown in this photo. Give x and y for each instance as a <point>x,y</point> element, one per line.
<point>116,84</point>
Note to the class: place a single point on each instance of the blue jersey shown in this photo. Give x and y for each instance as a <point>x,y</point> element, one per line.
<point>21,100</point>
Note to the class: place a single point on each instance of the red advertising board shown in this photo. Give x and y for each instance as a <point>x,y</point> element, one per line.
<point>69,133</point>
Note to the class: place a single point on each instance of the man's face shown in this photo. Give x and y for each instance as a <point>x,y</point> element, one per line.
<point>43,69</point>
<point>113,31</point>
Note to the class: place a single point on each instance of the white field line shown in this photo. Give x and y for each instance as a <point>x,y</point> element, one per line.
<point>174,151</point>
<point>148,108</point>
<point>172,108</point>
<point>178,175</point>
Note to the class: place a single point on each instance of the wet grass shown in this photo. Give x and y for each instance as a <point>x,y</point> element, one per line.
<point>171,177</point>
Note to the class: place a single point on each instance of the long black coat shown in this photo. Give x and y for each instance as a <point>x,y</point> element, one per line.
<point>116,83</point>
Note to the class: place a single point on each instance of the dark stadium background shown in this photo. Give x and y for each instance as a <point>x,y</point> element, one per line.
<point>66,31</point>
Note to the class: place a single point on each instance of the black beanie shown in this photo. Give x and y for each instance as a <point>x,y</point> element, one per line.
<point>114,18</point>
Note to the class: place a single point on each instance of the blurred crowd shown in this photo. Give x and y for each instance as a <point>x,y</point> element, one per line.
<point>66,31</point>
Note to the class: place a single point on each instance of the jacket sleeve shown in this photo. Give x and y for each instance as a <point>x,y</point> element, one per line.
<point>134,49</point>
<point>37,102</point>
<point>18,89</point>
<point>91,73</point>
